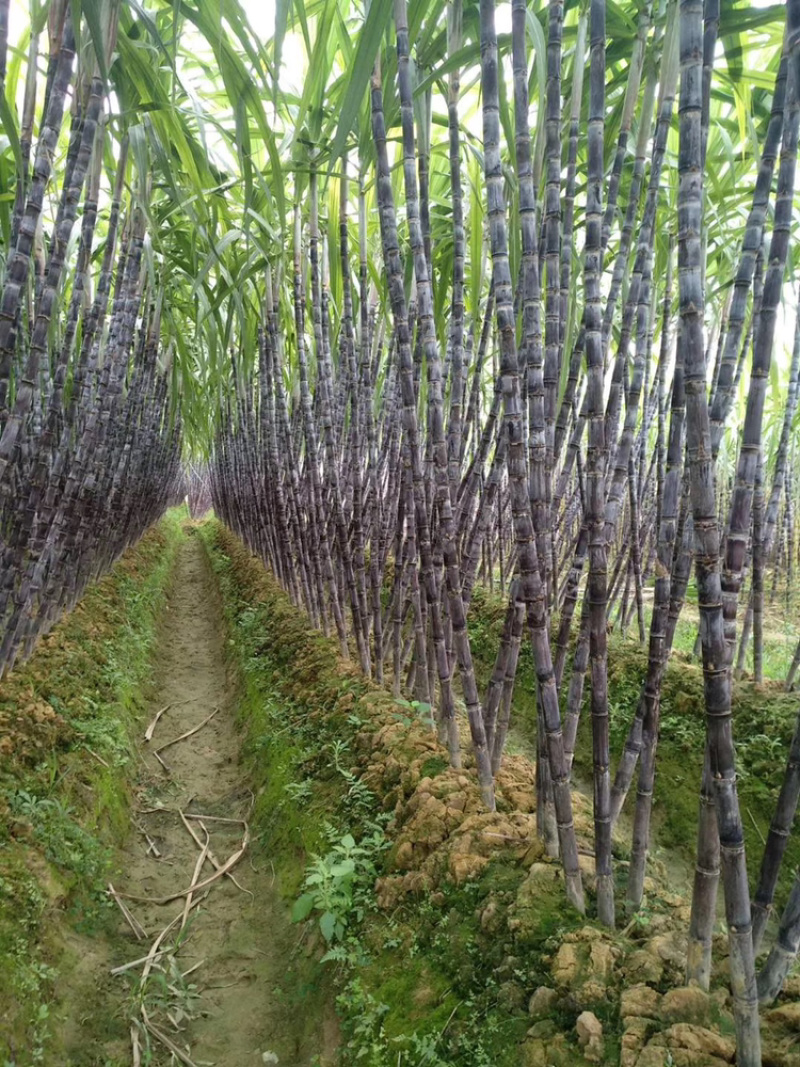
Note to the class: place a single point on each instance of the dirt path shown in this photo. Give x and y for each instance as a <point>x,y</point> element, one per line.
<point>235,1008</point>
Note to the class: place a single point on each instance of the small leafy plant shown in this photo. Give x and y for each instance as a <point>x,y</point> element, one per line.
<point>360,799</point>
<point>299,790</point>
<point>419,708</point>
<point>334,884</point>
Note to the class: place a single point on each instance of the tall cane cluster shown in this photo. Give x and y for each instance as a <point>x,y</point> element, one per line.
<point>545,417</point>
<point>89,456</point>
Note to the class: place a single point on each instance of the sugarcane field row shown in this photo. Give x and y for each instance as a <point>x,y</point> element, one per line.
<point>399,480</point>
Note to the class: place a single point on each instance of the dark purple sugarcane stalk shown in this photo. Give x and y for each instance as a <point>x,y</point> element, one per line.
<point>530,578</point>
<point>471,419</point>
<point>741,504</point>
<point>597,585</point>
<point>716,675</point>
<point>458,368</point>
<point>567,237</point>
<point>345,559</point>
<point>634,78</point>
<point>751,245</point>
<point>782,452</point>
<point>666,556</point>
<point>18,262</point>
<point>738,533</point>
<point>320,545</point>
<point>504,712</point>
<point>667,87</point>
<point>447,529</point>
<point>552,232</point>
<point>531,348</point>
<point>417,506</point>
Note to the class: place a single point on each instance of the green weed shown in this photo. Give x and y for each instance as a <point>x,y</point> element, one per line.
<point>336,884</point>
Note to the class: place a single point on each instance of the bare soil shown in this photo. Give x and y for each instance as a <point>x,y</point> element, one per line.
<point>249,996</point>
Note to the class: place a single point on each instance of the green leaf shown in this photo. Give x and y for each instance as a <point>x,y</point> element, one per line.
<point>327,925</point>
<point>282,8</point>
<point>539,43</point>
<point>303,907</point>
<point>369,40</point>
<point>10,129</point>
<point>92,11</point>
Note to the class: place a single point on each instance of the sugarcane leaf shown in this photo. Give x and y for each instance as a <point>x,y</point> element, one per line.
<point>9,125</point>
<point>92,10</point>
<point>282,9</point>
<point>358,77</point>
<point>539,43</point>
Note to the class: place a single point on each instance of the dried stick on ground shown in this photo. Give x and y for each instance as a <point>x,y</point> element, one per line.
<point>99,759</point>
<point>169,1044</point>
<point>213,818</point>
<point>212,858</point>
<point>151,845</point>
<point>139,931</point>
<point>193,968</point>
<point>227,866</point>
<point>163,763</point>
<point>148,734</point>
<point>188,733</point>
<point>149,960</point>
<point>198,867</point>
<point>134,963</point>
